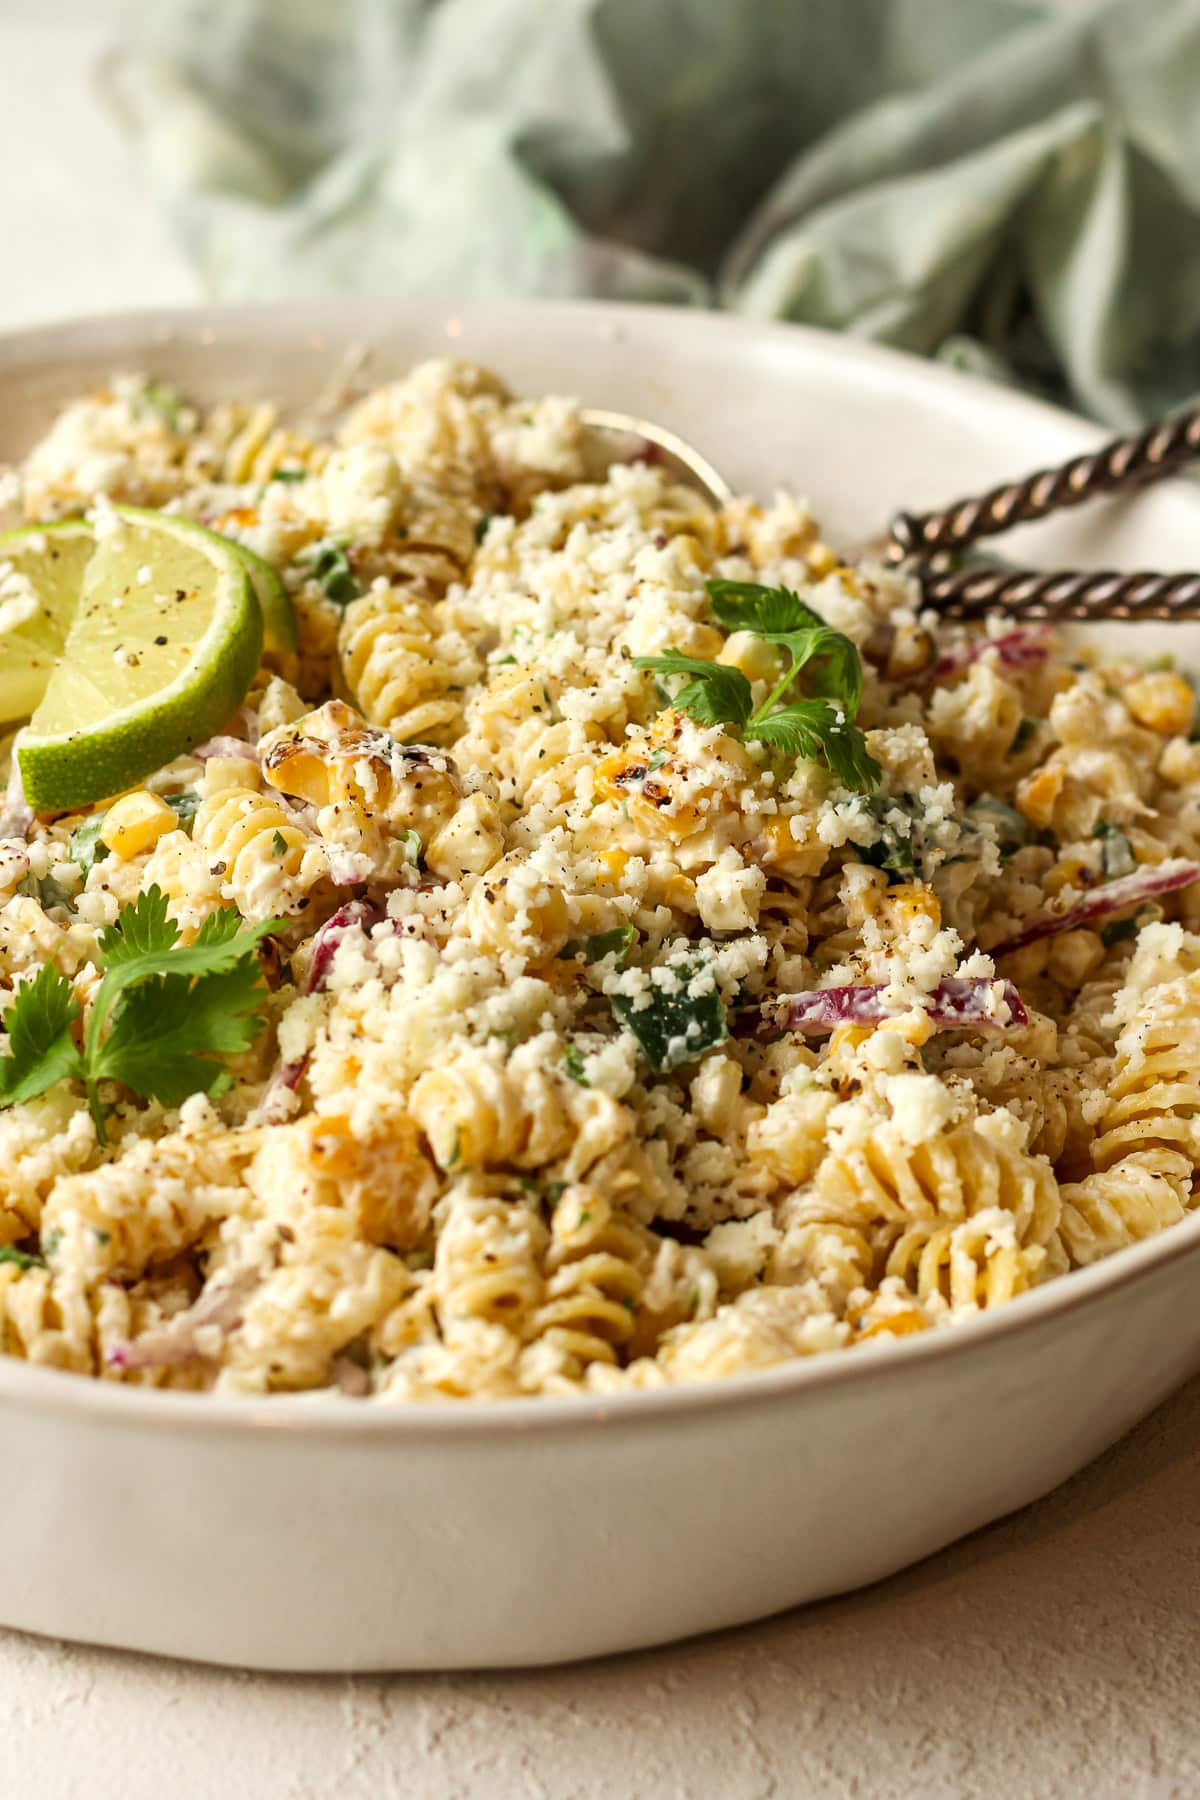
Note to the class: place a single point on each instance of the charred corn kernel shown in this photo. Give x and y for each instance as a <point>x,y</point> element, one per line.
<point>1070,871</point>
<point>614,865</point>
<point>897,1324</point>
<point>135,823</point>
<point>235,517</point>
<point>300,769</point>
<point>1162,701</point>
<point>1038,793</point>
<point>910,900</point>
<point>615,772</point>
<point>470,841</point>
<point>778,849</point>
<point>1073,956</point>
<point>822,560</point>
<point>1180,762</point>
<point>911,650</point>
<point>915,1027</point>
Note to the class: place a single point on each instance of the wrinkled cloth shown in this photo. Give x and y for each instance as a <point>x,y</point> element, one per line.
<point>1008,184</point>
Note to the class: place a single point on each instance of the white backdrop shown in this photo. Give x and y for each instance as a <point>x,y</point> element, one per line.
<point>1055,1654</point>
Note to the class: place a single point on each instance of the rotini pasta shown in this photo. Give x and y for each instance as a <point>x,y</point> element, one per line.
<point>590,1041</point>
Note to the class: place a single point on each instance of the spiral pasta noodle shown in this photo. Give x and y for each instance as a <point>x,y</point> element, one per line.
<point>488,1264</point>
<point>1154,1092</point>
<point>270,864</point>
<point>389,662</point>
<point>622,1005</point>
<point>595,1270</point>
<point>946,1179</point>
<point>245,443</point>
<point>971,1265</point>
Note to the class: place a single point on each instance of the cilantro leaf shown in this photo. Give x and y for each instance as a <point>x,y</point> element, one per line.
<point>167,1032</point>
<point>160,1017</point>
<point>22,1258</point>
<point>812,728</point>
<point>41,1049</point>
<point>573,1065</point>
<point>716,694</point>
<point>780,617</point>
<point>767,612</point>
<point>674,1028</point>
<point>141,929</point>
<point>821,724</point>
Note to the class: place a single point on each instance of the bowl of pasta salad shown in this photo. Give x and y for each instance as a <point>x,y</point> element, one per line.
<point>549,1027</point>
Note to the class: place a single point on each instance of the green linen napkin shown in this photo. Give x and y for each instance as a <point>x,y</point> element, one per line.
<point>1010,184</point>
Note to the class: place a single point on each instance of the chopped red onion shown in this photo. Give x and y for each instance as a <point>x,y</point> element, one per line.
<point>226,746</point>
<point>285,1078</point>
<point>1114,897</point>
<point>1023,647</point>
<point>350,1377</point>
<point>169,1345</point>
<point>330,935</point>
<point>966,1004</point>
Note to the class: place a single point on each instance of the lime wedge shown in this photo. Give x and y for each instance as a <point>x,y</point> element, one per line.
<point>280,636</point>
<point>41,572</point>
<point>162,647</point>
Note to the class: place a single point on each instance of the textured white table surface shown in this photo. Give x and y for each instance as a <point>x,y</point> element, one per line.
<point>1055,1654</point>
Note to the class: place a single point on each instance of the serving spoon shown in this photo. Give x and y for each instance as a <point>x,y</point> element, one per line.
<point>926,543</point>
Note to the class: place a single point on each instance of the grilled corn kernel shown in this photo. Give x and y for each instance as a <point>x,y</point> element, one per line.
<point>1162,701</point>
<point>615,863</point>
<point>911,650</point>
<point>897,1324</point>
<point>135,823</point>
<point>778,849</point>
<point>1180,762</point>
<point>1070,871</point>
<point>469,842</point>
<point>900,905</point>
<point>1073,956</point>
<point>1037,794</point>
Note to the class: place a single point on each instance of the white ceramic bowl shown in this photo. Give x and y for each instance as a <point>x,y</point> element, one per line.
<point>321,1533</point>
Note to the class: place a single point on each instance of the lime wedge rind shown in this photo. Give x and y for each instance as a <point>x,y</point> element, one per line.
<point>68,765</point>
<point>280,636</point>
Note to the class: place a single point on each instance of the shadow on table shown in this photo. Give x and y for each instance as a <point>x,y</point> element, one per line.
<point>1051,1653</point>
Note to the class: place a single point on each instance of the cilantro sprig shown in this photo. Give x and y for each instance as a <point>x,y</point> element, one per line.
<point>821,724</point>
<point>161,1019</point>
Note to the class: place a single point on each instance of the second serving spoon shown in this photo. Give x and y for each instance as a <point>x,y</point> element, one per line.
<point>925,543</point>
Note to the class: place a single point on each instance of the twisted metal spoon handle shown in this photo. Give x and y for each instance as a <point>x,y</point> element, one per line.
<point>1126,462</point>
<point>1060,595</point>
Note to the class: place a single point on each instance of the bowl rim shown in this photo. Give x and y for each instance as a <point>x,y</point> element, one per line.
<point>320,1413</point>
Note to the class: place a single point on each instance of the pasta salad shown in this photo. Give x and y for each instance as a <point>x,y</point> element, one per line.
<point>613,942</point>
